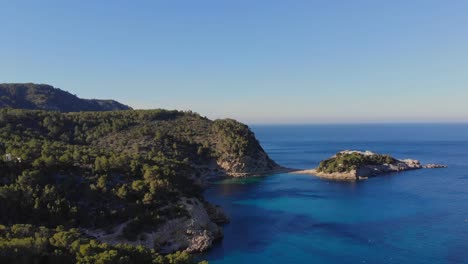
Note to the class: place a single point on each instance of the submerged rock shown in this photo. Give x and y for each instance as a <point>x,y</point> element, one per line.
<point>434,166</point>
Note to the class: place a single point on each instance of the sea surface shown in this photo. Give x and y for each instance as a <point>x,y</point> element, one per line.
<point>412,217</point>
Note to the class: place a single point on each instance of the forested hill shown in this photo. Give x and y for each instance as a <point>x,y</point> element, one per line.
<point>46,97</point>
<point>70,181</point>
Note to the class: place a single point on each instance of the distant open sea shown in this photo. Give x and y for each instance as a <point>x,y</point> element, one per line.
<point>412,217</point>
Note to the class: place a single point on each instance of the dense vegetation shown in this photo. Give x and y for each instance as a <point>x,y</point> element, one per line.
<point>30,245</point>
<point>345,162</point>
<point>46,97</point>
<point>88,170</point>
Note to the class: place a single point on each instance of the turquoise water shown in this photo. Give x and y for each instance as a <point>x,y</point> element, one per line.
<point>411,217</point>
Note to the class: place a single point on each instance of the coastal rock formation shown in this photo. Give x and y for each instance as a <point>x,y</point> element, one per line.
<point>244,166</point>
<point>434,166</point>
<point>238,153</point>
<point>192,233</point>
<point>357,165</point>
<point>195,233</point>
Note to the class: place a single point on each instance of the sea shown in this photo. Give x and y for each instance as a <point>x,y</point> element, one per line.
<point>418,216</point>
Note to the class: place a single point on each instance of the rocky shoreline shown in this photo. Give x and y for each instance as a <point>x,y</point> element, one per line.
<point>193,233</point>
<point>260,173</point>
<point>202,226</point>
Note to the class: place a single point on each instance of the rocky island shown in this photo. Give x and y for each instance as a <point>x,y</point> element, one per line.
<point>355,165</point>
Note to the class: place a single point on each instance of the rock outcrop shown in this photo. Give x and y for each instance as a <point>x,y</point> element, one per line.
<point>193,233</point>
<point>238,153</point>
<point>397,166</point>
<point>247,165</point>
<point>434,166</point>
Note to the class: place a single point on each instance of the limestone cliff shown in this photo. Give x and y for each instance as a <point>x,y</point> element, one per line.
<point>194,232</point>
<point>238,153</point>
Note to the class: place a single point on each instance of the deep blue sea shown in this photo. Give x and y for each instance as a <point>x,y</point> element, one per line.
<point>411,217</point>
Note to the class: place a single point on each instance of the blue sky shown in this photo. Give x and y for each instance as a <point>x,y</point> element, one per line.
<point>257,61</point>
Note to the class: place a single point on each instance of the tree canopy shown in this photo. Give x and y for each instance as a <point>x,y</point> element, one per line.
<point>64,172</point>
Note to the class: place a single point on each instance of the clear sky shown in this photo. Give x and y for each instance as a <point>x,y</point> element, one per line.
<point>257,61</point>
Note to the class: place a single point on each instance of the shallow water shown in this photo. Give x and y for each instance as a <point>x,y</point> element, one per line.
<point>412,217</point>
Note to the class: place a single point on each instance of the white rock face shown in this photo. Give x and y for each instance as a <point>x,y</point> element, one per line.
<point>365,153</point>
<point>400,165</point>
<point>434,166</point>
<point>195,233</point>
<point>411,163</point>
<point>246,166</point>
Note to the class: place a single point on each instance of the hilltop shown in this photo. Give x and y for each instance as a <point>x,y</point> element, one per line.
<point>46,97</point>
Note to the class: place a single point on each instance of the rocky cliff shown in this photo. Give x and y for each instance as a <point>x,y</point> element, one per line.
<point>194,232</point>
<point>238,153</point>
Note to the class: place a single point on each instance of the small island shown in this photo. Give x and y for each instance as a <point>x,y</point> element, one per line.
<point>358,165</point>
